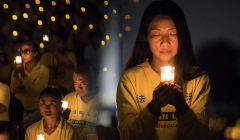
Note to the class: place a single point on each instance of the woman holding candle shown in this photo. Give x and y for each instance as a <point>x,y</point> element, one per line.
<point>28,80</point>
<point>151,109</point>
<point>52,126</point>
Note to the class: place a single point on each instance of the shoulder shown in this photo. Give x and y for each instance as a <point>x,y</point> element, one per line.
<point>69,54</point>
<point>4,87</point>
<point>34,127</point>
<point>70,95</point>
<point>66,125</point>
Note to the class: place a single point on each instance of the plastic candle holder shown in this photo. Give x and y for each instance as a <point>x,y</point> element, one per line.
<point>167,74</point>
<point>65,104</point>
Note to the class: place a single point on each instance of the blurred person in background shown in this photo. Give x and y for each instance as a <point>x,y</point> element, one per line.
<point>28,80</point>
<point>60,61</point>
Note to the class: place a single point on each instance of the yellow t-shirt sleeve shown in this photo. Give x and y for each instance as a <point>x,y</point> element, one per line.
<point>45,59</point>
<point>133,123</point>
<point>194,123</point>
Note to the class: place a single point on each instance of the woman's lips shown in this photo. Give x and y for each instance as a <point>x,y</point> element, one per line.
<point>165,51</point>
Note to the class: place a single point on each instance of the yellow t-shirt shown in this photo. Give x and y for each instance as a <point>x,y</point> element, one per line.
<point>64,131</point>
<point>58,75</point>
<point>27,89</point>
<point>83,116</point>
<point>5,100</point>
<point>135,91</point>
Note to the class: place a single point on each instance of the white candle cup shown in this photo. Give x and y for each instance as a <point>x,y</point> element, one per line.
<point>167,74</point>
<point>45,38</point>
<point>65,104</point>
<point>40,137</point>
<point>18,60</point>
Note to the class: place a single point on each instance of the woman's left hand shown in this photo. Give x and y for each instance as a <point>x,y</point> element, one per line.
<point>177,100</point>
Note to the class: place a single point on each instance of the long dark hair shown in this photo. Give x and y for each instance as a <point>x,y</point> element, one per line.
<point>9,128</point>
<point>185,59</point>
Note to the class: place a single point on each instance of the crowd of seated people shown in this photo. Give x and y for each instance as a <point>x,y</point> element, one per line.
<point>33,103</point>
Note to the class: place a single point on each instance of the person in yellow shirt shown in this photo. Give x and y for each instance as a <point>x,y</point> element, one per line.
<point>84,104</point>
<point>149,109</point>
<point>60,61</point>
<point>28,80</point>
<point>4,95</point>
<point>4,102</point>
<point>52,126</point>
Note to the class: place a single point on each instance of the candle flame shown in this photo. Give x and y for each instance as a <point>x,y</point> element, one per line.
<point>45,38</point>
<point>40,137</point>
<point>18,59</point>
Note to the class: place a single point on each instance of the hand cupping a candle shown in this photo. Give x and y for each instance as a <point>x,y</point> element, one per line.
<point>65,110</point>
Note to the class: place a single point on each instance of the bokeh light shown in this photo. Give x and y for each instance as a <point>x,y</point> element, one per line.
<point>67,1</point>
<point>53,18</point>
<point>5,6</point>
<point>75,27</point>
<point>67,16</point>
<point>127,28</point>
<point>82,9</point>
<point>107,37</point>
<point>54,3</point>
<point>90,26</point>
<point>15,33</point>
<point>120,35</point>
<point>41,45</point>
<point>105,16</point>
<point>27,5</point>
<point>135,0</point>
<point>25,15</point>
<point>105,69</point>
<point>37,1</point>
<point>114,11</point>
<point>14,17</point>
<point>39,22</point>
<point>106,2</point>
<point>40,9</point>
<point>127,17</point>
<point>102,43</point>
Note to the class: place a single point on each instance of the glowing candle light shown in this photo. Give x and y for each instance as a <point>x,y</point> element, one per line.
<point>65,104</point>
<point>167,74</point>
<point>40,137</point>
<point>45,38</point>
<point>18,60</point>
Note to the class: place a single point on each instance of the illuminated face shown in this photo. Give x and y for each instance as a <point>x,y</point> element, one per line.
<point>28,54</point>
<point>162,39</point>
<point>49,106</point>
<point>58,43</point>
<point>81,85</point>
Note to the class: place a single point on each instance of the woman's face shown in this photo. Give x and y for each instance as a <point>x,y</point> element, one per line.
<point>28,54</point>
<point>49,106</point>
<point>162,39</point>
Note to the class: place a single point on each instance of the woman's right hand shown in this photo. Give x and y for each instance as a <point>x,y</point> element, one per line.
<point>16,69</point>
<point>162,93</point>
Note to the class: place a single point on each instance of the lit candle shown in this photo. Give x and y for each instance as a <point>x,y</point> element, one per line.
<point>167,74</point>
<point>18,59</point>
<point>40,137</point>
<point>65,104</point>
<point>45,38</point>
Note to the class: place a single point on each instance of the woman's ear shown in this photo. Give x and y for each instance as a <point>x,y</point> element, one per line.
<point>36,53</point>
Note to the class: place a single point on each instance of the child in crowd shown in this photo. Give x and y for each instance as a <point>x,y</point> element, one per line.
<point>52,126</point>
